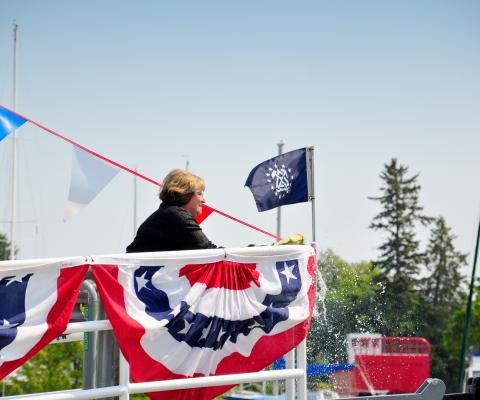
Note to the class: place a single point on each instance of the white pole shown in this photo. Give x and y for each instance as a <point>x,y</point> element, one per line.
<point>290,383</point>
<point>311,191</point>
<point>124,378</point>
<point>302,347</point>
<point>279,211</point>
<point>218,380</point>
<point>302,364</point>
<point>14,150</point>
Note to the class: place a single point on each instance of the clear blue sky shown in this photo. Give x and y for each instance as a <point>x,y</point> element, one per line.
<point>152,84</point>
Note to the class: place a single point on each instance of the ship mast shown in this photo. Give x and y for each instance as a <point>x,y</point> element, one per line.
<point>14,151</point>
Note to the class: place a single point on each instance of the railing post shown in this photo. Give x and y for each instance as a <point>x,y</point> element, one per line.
<point>124,376</point>
<point>90,339</point>
<point>290,383</point>
<point>302,363</point>
<point>107,360</point>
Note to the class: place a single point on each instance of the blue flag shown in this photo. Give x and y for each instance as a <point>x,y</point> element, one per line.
<point>279,181</point>
<point>9,122</point>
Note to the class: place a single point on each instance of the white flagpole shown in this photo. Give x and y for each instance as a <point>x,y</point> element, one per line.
<point>302,347</point>
<point>14,149</point>
<point>311,189</point>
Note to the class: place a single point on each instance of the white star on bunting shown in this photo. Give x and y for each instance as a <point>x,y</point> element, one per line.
<point>142,282</point>
<point>287,272</point>
<point>14,279</point>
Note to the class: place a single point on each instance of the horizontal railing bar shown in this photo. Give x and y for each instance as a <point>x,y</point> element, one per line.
<point>158,386</point>
<point>88,326</point>
<point>77,394</point>
<point>218,380</point>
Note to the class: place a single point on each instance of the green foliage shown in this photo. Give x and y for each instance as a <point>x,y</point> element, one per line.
<point>56,367</point>
<point>412,306</point>
<point>443,288</point>
<point>442,296</point>
<point>400,254</point>
<point>4,247</point>
<point>452,335</point>
<point>401,308</point>
<point>139,396</point>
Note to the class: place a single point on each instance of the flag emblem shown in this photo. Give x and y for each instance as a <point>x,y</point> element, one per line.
<point>280,180</point>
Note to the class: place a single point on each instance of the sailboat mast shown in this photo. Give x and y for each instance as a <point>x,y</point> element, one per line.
<point>14,150</point>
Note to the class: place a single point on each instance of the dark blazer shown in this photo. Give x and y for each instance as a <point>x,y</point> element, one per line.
<point>171,227</point>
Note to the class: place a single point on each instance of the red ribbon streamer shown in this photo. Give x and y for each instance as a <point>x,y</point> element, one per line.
<point>207,210</point>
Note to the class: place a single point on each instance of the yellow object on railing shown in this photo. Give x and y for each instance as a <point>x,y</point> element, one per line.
<point>296,238</point>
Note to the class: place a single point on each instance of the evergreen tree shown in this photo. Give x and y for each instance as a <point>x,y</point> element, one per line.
<point>400,253</point>
<point>443,288</point>
<point>4,247</point>
<point>443,296</point>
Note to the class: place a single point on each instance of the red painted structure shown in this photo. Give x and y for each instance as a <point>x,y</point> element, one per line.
<point>390,364</point>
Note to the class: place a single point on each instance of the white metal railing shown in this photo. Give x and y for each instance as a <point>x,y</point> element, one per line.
<point>295,377</point>
<point>125,387</point>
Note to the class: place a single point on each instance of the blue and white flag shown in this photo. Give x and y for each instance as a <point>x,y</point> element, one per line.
<point>206,312</point>
<point>9,122</point>
<point>280,180</point>
<point>37,299</point>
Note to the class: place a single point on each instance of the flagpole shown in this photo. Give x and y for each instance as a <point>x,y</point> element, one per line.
<point>279,211</point>
<point>311,192</point>
<point>14,148</point>
<point>302,347</point>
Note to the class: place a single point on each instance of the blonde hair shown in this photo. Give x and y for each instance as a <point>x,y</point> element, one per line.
<point>179,187</point>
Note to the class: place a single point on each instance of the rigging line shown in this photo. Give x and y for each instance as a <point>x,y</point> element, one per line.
<point>246,224</point>
<point>93,153</point>
<point>131,170</point>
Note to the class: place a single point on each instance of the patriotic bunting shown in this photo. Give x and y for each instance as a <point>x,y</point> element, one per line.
<point>37,301</point>
<point>210,312</point>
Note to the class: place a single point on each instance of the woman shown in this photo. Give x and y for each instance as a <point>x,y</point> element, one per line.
<point>173,225</point>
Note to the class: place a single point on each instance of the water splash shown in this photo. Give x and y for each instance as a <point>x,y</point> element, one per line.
<point>320,309</point>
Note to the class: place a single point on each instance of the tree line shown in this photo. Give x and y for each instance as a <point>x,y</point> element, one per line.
<point>406,291</point>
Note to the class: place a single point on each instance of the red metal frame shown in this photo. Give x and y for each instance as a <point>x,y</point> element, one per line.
<point>391,364</point>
